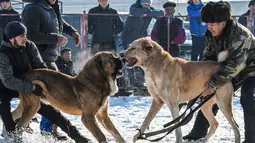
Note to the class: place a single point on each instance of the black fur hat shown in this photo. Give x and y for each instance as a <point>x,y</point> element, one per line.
<point>214,12</point>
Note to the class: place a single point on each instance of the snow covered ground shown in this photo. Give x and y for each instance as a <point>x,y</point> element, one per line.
<point>127,113</point>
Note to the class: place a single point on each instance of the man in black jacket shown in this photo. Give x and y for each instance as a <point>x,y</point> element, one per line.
<point>4,20</point>
<point>45,26</point>
<point>17,56</point>
<point>104,27</point>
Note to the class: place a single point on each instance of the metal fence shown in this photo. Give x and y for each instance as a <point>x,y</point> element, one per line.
<point>81,53</point>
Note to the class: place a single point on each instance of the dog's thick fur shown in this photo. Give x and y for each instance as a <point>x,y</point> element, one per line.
<point>87,94</point>
<point>173,81</point>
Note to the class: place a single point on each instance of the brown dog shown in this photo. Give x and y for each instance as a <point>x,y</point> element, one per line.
<point>173,81</point>
<point>87,94</point>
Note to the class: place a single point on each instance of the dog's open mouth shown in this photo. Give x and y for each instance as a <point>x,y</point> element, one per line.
<point>118,69</point>
<point>131,62</point>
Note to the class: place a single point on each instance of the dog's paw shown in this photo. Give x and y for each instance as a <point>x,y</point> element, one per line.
<point>135,138</point>
<point>203,140</point>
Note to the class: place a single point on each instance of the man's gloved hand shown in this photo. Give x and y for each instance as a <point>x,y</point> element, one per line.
<point>37,90</point>
<point>76,37</point>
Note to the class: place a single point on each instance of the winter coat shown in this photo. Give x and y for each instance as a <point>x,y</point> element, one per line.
<point>14,62</point>
<point>243,20</point>
<point>238,41</point>
<point>44,23</point>
<point>194,12</point>
<point>136,25</point>
<point>65,67</point>
<point>4,20</point>
<point>104,28</point>
<point>160,34</point>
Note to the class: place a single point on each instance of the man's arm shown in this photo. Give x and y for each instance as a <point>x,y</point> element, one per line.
<point>32,20</point>
<point>138,11</point>
<point>67,28</point>
<point>8,78</point>
<point>181,37</point>
<point>35,57</point>
<point>154,32</point>
<point>155,13</point>
<point>91,25</point>
<point>118,24</point>
<point>236,62</point>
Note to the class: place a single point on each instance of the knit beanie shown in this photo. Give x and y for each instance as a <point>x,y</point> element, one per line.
<point>214,12</point>
<point>5,1</point>
<point>252,2</point>
<point>146,2</point>
<point>14,29</point>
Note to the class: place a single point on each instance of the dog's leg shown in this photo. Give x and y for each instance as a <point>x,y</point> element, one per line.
<point>207,111</point>
<point>31,104</point>
<point>105,120</point>
<point>17,113</point>
<point>224,101</point>
<point>89,121</point>
<point>174,109</point>
<point>155,107</point>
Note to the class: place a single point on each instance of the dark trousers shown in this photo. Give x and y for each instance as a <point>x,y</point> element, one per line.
<point>198,46</point>
<point>46,110</point>
<point>248,104</point>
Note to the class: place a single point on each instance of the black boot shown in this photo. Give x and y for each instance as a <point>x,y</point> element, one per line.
<point>75,134</point>
<point>200,126</point>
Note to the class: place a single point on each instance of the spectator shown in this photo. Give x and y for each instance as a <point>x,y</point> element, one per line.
<point>197,29</point>
<point>65,63</point>
<point>176,30</point>
<point>104,27</point>
<point>247,19</point>
<point>4,20</point>
<point>135,27</point>
<point>17,56</point>
<point>45,26</point>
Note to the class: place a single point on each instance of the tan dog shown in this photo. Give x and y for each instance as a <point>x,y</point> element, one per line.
<point>173,81</point>
<point>87,94</point>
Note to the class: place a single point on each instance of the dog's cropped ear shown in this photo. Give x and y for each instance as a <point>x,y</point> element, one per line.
<point>147,45</point>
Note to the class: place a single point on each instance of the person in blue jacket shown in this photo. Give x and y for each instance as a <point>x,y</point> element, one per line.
<point>135,27</point>
<point>197,29</point>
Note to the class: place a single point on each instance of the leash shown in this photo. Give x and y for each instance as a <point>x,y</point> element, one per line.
<point>183,119</point>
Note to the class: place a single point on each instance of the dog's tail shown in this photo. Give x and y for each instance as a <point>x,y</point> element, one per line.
<point>42,85</point>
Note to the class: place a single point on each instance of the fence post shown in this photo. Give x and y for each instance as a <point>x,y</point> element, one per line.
<point>84,30</point>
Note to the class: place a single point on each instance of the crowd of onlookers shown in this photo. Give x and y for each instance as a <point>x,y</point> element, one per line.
<point>45,26</point>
